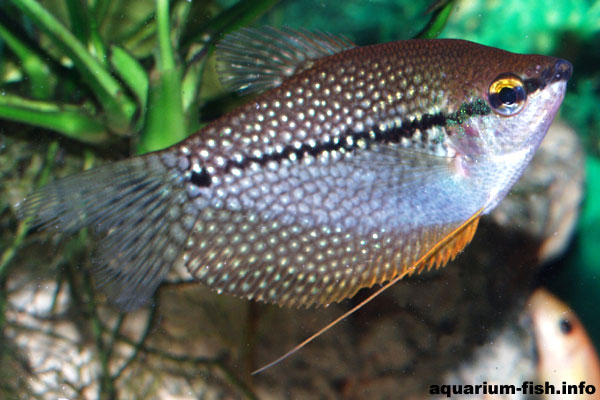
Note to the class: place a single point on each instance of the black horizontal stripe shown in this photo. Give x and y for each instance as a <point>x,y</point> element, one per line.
<point>350,140</point>
<point>201,178</point>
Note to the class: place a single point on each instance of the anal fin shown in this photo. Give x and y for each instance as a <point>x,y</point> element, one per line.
<point>449,247</point>
<point>445,250</point>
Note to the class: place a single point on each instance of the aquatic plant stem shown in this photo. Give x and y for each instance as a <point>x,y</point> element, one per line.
<point>10,252</point>
<point>165,119</point>
<point>106,388</point>
<point>152,312</point>
<point>166,60</point>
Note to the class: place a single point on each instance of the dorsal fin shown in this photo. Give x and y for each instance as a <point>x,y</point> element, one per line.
<point>257,59</point>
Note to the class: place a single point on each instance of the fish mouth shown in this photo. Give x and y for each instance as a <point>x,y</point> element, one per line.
<point>560,71</point>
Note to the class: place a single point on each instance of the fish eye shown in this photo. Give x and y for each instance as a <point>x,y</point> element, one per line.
<point>507,95</point>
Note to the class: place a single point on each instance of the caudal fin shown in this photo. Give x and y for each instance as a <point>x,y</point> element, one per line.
<point>136,207</point>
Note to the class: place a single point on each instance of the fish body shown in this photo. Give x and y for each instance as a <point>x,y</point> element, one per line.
<point>355,165</point>
<point>566,352</point>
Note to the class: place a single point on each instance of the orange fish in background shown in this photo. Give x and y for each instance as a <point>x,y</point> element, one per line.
<point>355,166</point>
<point>566,353</point>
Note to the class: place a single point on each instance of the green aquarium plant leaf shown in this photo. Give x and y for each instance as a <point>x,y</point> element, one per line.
<point>132,73</point>
<point>71,121</point>
<point>191,85</point>
<point>37,71</point>
<point>241,14</point>
<point>140,38</point>
<point>79,19</point>
<point>99,9</point>
<point>95,41</point>
<point>180,15</point>
<point>440,12</point>
<point>118,108</point>
<point>85,27</point>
